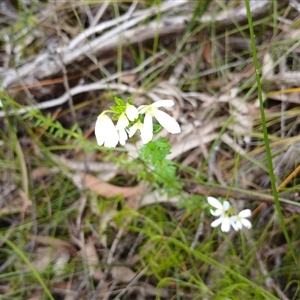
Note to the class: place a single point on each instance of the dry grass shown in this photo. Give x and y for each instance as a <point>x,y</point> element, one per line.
<point>76,222</point>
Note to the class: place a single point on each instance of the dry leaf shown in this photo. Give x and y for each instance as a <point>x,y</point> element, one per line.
<point>45,255</point>
<point>151,290</point>
<point>122,274</point>
<point>93,260</point>
<point>54,242</point>
<point>43,258</point>
<point>128,78</point>
<point>105,189</point>
<point>36,295</point>
<point>41,172</point>
<point>61,260</point>
<point>207,53</point>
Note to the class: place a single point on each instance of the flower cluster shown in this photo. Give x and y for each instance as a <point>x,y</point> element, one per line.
<point>226,218</point>
<point>130,120</point>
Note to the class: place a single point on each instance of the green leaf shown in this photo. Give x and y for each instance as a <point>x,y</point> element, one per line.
<point>156,128</point>
<point>119,101</point>
<point>67,138</point>
<point>38,123</point>
<point>79,131</point>
<point>74,127</point>
<point>114,108</point>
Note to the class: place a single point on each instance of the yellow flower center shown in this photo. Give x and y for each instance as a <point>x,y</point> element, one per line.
<point>150,110</point>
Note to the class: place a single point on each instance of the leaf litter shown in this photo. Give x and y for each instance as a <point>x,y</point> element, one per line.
<point>212,104</point>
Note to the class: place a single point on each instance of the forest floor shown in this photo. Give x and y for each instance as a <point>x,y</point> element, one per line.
<point>82,221</point>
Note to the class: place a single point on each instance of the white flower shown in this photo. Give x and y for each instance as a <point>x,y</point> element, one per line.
<point>220,208</point>
<point>139,126</point>
<point>106,132</point>
<point>224,221</point>
<point>122,136</point>
<point>122,122</point>
<point>240,220</point>
<point>221,212</point>
<point>121,125</point>
<point>131,112</point>
<point>166,121</point>
<point>147,129</point>
<point>136,126</point>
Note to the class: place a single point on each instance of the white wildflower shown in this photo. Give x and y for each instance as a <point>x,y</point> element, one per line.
<point>224,221</point>
<point>222,211</point>
<point>166,121</point>
<point>220,208</point>
<point>122,136</point>
<point>131,112</point>
<point>106,132</point>
<point>139,126</point>
<point>136,126</point>
<point>240,220</point>
<point>122,122</point>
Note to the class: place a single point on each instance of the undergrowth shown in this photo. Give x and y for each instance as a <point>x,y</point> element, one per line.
<point>83,221</point>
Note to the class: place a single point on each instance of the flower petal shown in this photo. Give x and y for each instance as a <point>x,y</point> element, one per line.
<point>215,203</point>
<point>217,222</point>
<point>225,227</point>
<point>246,223</point>
<point>163,103</point>
<point>122,136</point>
<point>122,122</point>
<point>132,130</point>
<point>216,212</point>
<point>112,141</point>
<point>142,109</point>
<point>111,133</point>
<point>99,131</point>
<point>233,223</point>
<point>226,205</point>
<point>166,121</point>
<point>245,213</point>
<point>238,225</point>
<point>131,112</point>
<point>147,129</point>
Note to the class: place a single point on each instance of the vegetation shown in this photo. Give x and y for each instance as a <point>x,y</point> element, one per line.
<point>83,221</point>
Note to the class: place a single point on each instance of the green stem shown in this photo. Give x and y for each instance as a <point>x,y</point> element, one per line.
<point>265,132</point>
<point>30,265</point>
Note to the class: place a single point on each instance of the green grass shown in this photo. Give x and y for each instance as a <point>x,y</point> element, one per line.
<point>43,197</point>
